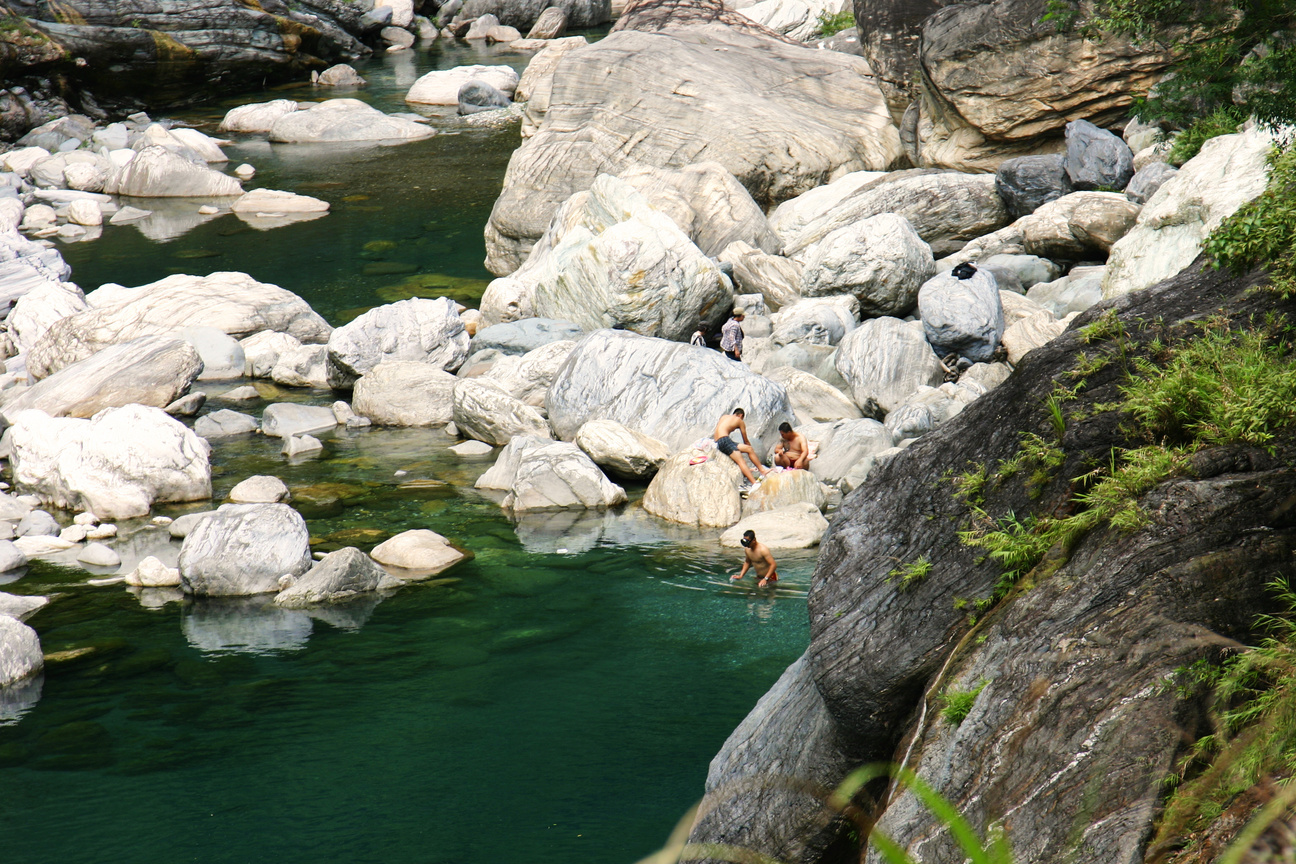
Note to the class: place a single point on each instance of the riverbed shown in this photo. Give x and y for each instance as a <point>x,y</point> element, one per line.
<point>556,698</point>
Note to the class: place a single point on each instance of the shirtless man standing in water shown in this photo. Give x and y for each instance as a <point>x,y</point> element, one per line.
<point>726,445</point>
<point>757,554</point>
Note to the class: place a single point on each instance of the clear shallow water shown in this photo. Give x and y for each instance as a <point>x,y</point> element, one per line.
<point>556,698</point>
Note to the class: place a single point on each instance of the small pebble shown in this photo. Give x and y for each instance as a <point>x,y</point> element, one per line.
<point>162,521</point>
<point>102,532</point>
<point>86,518</point>
<point>401,473</point>
<point>208,210</point>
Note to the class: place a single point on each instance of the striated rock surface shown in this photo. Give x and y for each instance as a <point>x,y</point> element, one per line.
<point>426,331</point>
<point>405,393</point>
<point>620,449</point>
<point>886,359</point>
<point>705,494</point>
<point>485,412</point>
<point>243,549</point>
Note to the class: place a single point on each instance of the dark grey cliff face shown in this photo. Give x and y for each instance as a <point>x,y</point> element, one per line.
<point>890,31</point>
<point>162,52</point>
<point>1070,738</point>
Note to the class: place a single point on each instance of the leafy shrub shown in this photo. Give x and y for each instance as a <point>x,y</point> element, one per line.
<point>1224,121</point>
<point>1262,233</point>
<point>830,24</point>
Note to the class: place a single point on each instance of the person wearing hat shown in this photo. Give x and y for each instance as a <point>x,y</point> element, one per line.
<point>731,336</point>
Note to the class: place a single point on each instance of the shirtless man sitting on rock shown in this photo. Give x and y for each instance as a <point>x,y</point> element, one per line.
<point>756,554</point>
<point>793,451</point>
<point>728,423</point>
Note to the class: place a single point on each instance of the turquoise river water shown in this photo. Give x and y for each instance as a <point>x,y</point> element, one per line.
<point>555,699</point>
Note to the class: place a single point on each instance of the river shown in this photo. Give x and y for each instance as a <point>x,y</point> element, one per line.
<point>555,699</point>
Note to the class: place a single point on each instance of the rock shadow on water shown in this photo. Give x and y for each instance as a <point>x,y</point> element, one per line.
<point>245,625</point>
<point>17,699</point>
<point>573,532</point>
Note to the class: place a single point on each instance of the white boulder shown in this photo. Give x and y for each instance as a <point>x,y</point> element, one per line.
<point>442,86</point>
<point>797,526</point>
<point>405,393</point>
<point>418,553</point>
<point>157,172</point>
<point>487,413</point>
<point>260,489</point>
<point>244,549</point>
<point>336,121</point>
<point>884,360</point>
<point>620,449</point>
<point>426,331</point>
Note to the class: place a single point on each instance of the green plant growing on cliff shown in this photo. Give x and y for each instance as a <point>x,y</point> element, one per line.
<point>970,485</point>
<point>830,24</point>
<point>957,704</point>
<point>911,575</point>
<point>1262,233</point>
<point>1222,121</point>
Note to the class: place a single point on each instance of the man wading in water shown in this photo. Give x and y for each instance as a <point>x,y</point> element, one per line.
<point>726,445</point>
<point>757,554</point>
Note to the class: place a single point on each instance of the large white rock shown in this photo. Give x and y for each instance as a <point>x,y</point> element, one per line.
<point>609,259</point>
<point>778,117</point>
<point>41,308</point>
<point>884,360</point>
<point>881,260</point>
<point>207,147</point>
<point>620,449</point>
<point>151,370</point>
<point>20,606</point>
<point>1229,171</point>
<point>792,216</point>
<point>405,393</point>
<point>260,489</point>
<point>785,488</point>
<point>962,316</point>
<point>417,553</point>
<point>1074,292</point>
<point>703,494</point>
<point>798,526</point>
<point>234,303</point>
<point>550,475</point>
<point>25,264</point>
<point>487,413</point>
<point>302,366</point>
<point>776,279</point>
<point>335,121</point>
<point>426,331</point>
<point>442,87</point>
<point>815,320</point>
<point>261,351</point>
<point>669,391</point>
<point>813,399</point>
<point>11,557</point>
<point>257,116</point>
<point>244,549</point>
<point>945,208</point>
<point>20,651</point>
<point>117,464</point>
<point>842,444</point>
<point>222,356</point>
<point>337,577</point>
<point>529,377</point>
<point>157,172</point>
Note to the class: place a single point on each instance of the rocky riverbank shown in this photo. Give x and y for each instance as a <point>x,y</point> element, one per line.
<point>920,264</point>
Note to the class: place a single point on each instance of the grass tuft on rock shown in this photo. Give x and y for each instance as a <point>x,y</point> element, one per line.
<point>957,704</point>
<point>831,24</point>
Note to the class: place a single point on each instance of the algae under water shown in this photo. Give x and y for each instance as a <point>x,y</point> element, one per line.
<point>556,698</point>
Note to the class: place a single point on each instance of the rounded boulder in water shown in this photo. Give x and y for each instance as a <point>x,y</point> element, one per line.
<point>476,96</point>
<point>962,313</point>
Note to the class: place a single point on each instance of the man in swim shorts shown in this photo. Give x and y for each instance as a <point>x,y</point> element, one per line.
<point>793,451</point>
<point>726,445</point>
<point>757,554</point>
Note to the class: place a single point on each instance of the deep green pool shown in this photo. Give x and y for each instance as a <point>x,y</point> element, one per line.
<point>555,699</point>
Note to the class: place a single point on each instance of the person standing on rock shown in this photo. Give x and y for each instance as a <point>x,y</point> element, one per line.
<point>793,451</point>
<point>725,444</point>
<point>731,336</point>
<point>756,554</point>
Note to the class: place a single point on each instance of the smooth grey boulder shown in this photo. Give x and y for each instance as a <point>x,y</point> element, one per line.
<point>815,321</point>
<point>99,555</point>
<point>35,312</point>
<point>945,208</point>
<point>417,554</point>
<point>397,37</point>
<point>778,117</point>
<point>188,405</point>
<point>1029,333</point>
<point>884,360</point>
<point>222,356</point>
<point>962,316</point>
<point>667,390</point>
<point>244,549</point>
<point>301,446</point>
<point>478,96</point>
<point>843,443</point>
<point>529,377</point>
<point>551,24</point>
<point>1097,159</point>
<point>911,420</point>
<point>337,577</point>
<point>1027,183</point>
<point>152,370</point>
<point>223,423</point>
<point>1147,181</point>
<point>1074,292</point>
<point>260,489</point>
<point>180,528</point>
<point>286,419</point>
<point>336,121</point>
<point>520,337</point>
<point>813,399</point>
<point>426,331</point>
<point>880,260</point>
<point>11,557</point>
<point>116,464</point>
<point>37,523</point>
<point>21,606</point>
<point>20,651</point>
<point>796,526</point>
<point>261,352</point>
<point>1030,270</point>
<point>552,475</point>
<point>234,303</point>
<point>487,413</point>
<point>405,393</point>
<point>302,366</point>
<point>256,116</point>
<point>621,450</point>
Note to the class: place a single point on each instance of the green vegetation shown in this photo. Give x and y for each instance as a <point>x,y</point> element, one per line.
<point>1254,702</point>
<point>970,485</point>
<point>1262,233</point>
<point>1225,120</point>
<point>1235,58</point>
<point>912,574</point>
<point>830,24</point>
<point>1104,328</point>
<point>957,704</point>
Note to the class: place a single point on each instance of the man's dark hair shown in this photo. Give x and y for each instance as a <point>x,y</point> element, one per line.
<point>749,537</point>
<point>740,412</point>
<point>964,271</point>
<point>785,427</point>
